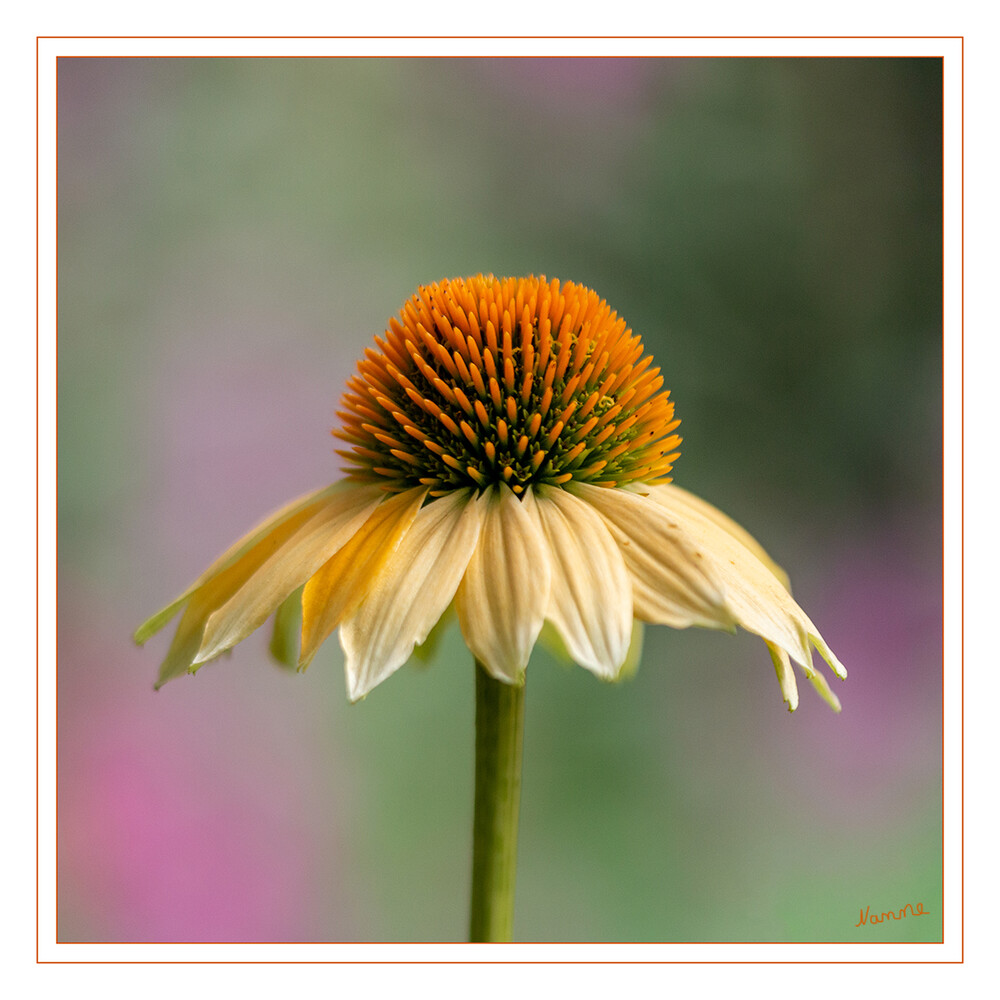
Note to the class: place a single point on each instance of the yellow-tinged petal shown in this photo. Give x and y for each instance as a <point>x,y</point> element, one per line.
<point>758,599</point>
<point>411,592</point>
<point>786,676</point>
<point>185,643</point>
<point>287,632</point>
<point>590,600</point>
<point>502,598</point>
<point>671,585</point>
<point>308,503</point>
<point>340,585</point>
<point>634,655</point>
<point>820,683</point>
<point>299,557</point>
<point>230,572</point>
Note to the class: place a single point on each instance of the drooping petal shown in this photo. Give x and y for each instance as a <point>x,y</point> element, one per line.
<point>828,654</point>
<point>671,584</point>
<point>757,597</point>
<point>786,676</point>
<point>411,592</point>
<point>184,646</point>
<point>590,600</point>
<point>299,557</point>
<point>305,505</point>
<point>502,598</point>
<point>231,571</point>
<point>682,497</point>
<point>819,682</point>
<point>339,586</point>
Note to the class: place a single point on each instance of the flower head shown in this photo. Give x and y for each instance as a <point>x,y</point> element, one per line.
<point>509,451</point>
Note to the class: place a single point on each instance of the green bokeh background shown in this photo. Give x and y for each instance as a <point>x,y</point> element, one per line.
<point>233,232</point>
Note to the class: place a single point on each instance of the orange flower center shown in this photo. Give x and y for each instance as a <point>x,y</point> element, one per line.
<point>517,380</point>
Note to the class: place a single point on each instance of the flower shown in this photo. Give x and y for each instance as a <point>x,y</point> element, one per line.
<point>509,451</point>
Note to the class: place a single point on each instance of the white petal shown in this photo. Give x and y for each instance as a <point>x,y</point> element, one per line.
<point>502,598</point>
<point>342,583</point>
<point>411,592</point>
<point>590,601</point>
<point>671,584</point>
<point>755,594</point>
<point>287,568</point>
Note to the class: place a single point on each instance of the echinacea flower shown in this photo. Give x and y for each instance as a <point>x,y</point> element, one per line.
<point>509,451</point>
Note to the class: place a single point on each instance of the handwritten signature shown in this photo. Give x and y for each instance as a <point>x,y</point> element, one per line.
<point>867,917</point>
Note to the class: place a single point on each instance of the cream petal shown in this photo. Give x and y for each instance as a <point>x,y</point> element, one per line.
<point>681,497</point>
<point>502,598</point>
<point>230,572</point>
<point>590,600</point>
<point>308,503</point>
<point>755,594</point>
<point>411,593</point>
<point>288,568</point>
<point>671,584</point>
<point>824,650</point>
<point>339,586</point>
<point>786,678</point>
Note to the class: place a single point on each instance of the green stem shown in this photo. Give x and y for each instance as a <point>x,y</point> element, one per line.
<point>499,729</point>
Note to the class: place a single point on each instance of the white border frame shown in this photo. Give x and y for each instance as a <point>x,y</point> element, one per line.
<point>951,50</point>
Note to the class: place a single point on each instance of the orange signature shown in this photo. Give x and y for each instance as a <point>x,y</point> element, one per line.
<point>867,917</point>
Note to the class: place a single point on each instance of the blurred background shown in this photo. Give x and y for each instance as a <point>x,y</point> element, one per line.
<point>232,234</point>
